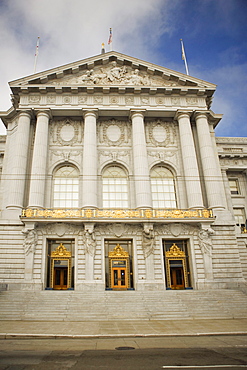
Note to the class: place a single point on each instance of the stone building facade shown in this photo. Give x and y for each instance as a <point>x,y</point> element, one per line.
<point>112,179</point>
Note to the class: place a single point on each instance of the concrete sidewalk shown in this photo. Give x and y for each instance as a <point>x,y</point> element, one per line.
<point>125,328</point>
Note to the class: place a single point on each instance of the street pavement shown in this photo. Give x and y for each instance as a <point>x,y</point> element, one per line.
<point>144,353</point>
<point>125,328</point>
<point>123,345</point>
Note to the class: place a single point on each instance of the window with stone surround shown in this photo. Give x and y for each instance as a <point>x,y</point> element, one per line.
<point>163,188</point>
<point>240,217</point>
<point>115,188</point>
<point>234,186</point>
<point>66,187</point>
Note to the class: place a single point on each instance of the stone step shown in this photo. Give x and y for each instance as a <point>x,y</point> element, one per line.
<point>111,305</point>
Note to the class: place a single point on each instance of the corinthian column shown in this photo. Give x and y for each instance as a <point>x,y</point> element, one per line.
<point>89,162</point>
<point>38,171</point>
<point>15,187</point>
<point>192,179</point>
<point>212,176</point>
<point>141,170</point>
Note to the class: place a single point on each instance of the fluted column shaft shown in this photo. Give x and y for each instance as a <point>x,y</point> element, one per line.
<point>191,172</point>
<point>38,171</point>
<point>211,174</point>
<point>141,170</point>
<point>89,162</point>
<point>16,184</point>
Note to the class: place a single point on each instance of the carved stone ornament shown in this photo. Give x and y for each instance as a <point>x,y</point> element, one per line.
<point>205,241</point>
<point>164,156</point>
<point>148,240</point>
<point>160,100</point>
<point>34,99</point>
<point>176,229</point>
<point>113,74</point>
<point>115,155</point>
<point>159,133</point>
<point>67,132</point>
<point>114,100</point>
<point>113,132</point>
<point>66,155</point>
<point>175,100</point>
<point>145,99</point>
<point>129,100</point>
<point>89,240</point>
<point>30,242</point>
<point>82,99</point>
<point>67,99</point>
<point>51,99</point>
<point>192,101</point>
<point>118,229</point>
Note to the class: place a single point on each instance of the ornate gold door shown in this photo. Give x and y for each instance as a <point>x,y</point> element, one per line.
<point>60,278</point>
<point>119,276</point>
<point>177,277</point>
<point>61,268</point>
<point>119,268</point>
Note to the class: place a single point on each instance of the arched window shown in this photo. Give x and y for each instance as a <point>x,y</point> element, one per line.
<point>163,188</point>
<point>66,187</point>
<point>115,188</point>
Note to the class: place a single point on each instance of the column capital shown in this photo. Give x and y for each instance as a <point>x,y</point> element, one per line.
<point>200,114</point>
<point>27,113</point>
<point>90,112</point>
<point>137,112</point>
<point>43,112</point>
<point>182,113</point>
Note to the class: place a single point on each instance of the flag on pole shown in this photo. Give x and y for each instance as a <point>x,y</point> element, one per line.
<point>36,55</point>
<point>110,39</point>
<point>184,57</point>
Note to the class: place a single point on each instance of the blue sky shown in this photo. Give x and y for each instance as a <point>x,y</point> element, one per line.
<point>213,31</point>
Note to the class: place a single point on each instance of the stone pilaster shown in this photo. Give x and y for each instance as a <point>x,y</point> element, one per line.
<point>17,179</point>
<point>38,171</point>
<point>191,172</point>
<point>140,159</point>
<point>89,162</point>
<point>211,174</point>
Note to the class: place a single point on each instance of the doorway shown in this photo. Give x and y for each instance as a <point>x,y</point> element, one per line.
<point>119,274</point>
<point>177,277</point>
<point>60,278</point>
<point>176,264</point>
<point>60,265</point>
<point>119,268</point>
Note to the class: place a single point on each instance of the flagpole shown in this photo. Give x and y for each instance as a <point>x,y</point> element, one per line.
<point>184,58</point>
<point>110,39</point>
<point>36,55</point>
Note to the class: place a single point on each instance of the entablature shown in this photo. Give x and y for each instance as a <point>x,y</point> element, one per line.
<point>130,215</point>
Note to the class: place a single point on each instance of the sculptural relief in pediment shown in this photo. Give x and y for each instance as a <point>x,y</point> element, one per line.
<point>113,74</point>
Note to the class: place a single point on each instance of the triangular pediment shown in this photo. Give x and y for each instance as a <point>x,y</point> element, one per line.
<point>111,70</point>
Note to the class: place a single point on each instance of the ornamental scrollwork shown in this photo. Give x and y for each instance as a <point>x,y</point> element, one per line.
<point>67,132</point>
<point>159,133</point>
<point>113,132</point>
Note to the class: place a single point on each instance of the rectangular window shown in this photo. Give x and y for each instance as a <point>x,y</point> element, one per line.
<point>234,186</point>
<point>240,217</point>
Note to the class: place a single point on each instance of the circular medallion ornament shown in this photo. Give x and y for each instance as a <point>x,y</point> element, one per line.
<point>67,132</point>
<point>113,133</point>
<point>159,133</point>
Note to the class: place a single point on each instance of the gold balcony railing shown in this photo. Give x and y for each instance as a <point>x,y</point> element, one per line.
<point>85,214</point>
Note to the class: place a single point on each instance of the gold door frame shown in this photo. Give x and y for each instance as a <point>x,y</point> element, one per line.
<point>60,254</point>
<point>119,254</point>
<point>175,254</point>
